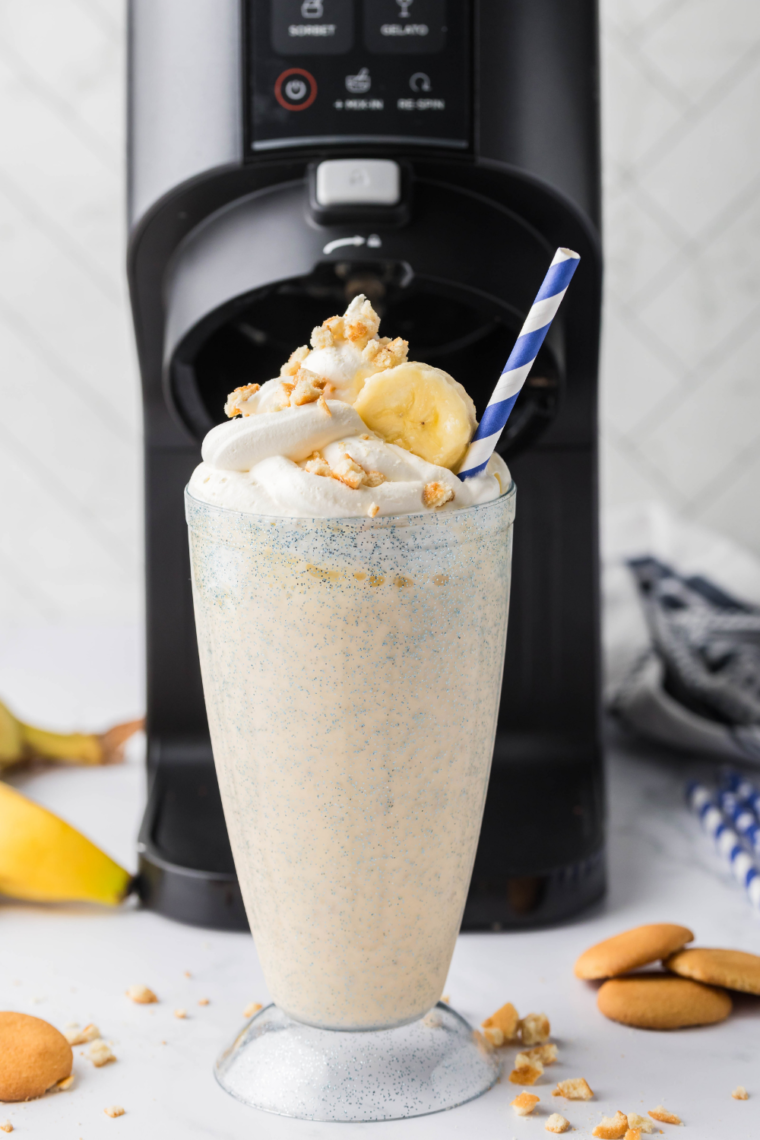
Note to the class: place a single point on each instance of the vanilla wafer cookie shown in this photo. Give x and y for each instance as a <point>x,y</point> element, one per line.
<point>632,949</point>
<point>656,1001</point>
<point>34,1056</point>
<point>734,969</point>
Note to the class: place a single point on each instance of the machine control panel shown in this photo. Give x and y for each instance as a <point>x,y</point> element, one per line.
<point>342,71</point>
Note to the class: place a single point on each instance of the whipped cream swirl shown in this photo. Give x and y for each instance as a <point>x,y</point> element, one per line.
<point>301,450</point>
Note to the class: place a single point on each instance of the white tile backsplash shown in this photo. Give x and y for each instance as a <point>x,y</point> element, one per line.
<point>681,123</point>
<point>680,393</point>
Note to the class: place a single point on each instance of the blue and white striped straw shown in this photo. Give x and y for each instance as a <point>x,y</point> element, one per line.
<point>744,820</point>
<point>744,867</point>
<point>744,789</point>
<point>521,359</point>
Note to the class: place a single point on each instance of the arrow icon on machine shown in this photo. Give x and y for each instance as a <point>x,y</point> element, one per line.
<point>373,241</point>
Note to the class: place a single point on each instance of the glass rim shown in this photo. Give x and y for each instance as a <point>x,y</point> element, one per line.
<point>416,519</point>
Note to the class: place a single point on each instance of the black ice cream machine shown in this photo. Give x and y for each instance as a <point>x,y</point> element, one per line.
<point>286,155</point>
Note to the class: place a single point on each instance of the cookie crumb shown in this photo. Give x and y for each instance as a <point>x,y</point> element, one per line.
<point>527,1075</point>
<point>204,1001</point>
<point>6,1126</point>
<point>100,1054</point>
<point>436,495</point>
<point>141,995</point>
<point>557,1123</point>
<point>386,353</point>
<point>633,1134</point>
<point>740,1093</point>
<point>180,1013</point>
<point>295,361</point>
<point>535,1029</point>
<point>525,1103</point>
<point>546,1054</point>
<point>640,1123</point>
<point>373,478</point>
<point>576,1088</point>
<point>66,1083</point>
<point>307,388</point>
<point>187,974</point>
<point>114,1110</point>
<point>663,1116</point>
<point>447,999</point>
<point>360,322</point>
<point>237,400</point>
<point>373,511</point>
<point>612,1127</point>
<point>348,471</point>
<point>432,1020</point>
<point>251,1008</point>
<point>82,1036</point>
<point>506,1019</point>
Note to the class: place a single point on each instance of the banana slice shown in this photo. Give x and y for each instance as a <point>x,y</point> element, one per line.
<point>420,408</point>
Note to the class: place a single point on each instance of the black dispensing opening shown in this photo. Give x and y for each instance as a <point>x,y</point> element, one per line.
<point>464,333</point>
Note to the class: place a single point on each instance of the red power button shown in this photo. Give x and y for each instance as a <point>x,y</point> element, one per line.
<point>295,89</point>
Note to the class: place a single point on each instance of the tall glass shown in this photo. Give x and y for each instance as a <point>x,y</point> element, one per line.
<point>352,673</point>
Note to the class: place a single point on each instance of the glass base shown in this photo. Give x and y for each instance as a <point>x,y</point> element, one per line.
<point>279,1065</point>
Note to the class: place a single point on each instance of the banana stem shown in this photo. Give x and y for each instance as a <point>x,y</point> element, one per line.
<point>66,747</point>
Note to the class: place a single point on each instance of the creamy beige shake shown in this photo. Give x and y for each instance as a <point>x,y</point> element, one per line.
<point>351,601</point>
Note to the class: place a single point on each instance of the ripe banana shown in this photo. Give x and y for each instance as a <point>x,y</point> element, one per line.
<point>420,408</point>
<point>44,859</point>
<point>19,742</point>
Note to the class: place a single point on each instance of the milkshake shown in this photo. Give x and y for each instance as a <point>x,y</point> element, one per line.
<point>351,599</point>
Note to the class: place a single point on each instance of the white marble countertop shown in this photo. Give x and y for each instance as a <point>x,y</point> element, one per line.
<point>73,963</point>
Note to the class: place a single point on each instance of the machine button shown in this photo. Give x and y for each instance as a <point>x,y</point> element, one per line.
<point>312,27</point>
<point>401,26</point>
<point>358,181</point>
<point>295,89</point>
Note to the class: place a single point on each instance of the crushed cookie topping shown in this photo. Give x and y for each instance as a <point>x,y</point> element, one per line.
<point>360,322</point>
<point>236,400</point>
<point>346,471</point>
<point>373,511</point>
<point>307,388</point>
<point>359,325</point>
<point>295,360</point>
<point>349,472</point>
<point>322,337</point>
<point>373,478</point>
<point>384,352</point>
<point>316,464</point>
<point>436,495</point>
